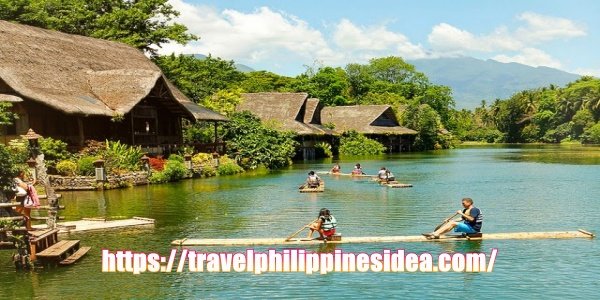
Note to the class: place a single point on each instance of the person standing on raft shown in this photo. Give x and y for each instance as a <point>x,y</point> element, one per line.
<point>325,225</point>
<point>470,222</point>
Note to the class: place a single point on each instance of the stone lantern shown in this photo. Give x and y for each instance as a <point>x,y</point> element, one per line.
<point>146,163</point>
<point>32,138</point>
<point>187,159</point>
<point>100,174</point>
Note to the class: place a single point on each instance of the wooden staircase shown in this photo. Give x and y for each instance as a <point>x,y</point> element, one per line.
<point>45,248</point>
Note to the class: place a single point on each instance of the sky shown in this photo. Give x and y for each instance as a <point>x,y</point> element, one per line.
<point>286,36</point>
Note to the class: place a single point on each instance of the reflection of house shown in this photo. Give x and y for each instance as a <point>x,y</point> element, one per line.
<point>378,122</point>
<point>289,112</point>
<point>76,88</point>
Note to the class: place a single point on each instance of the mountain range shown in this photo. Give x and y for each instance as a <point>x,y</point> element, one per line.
<point>473,80</point>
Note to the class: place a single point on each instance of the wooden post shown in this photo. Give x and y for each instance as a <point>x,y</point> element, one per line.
<point>81,132</point>
<point>216,138</point>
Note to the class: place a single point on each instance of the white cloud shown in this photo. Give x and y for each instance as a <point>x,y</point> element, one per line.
<point>541,28</point>
<point>448,40</point>
<point>530,56</point>
<point>259,35</point>
<point>351,38</point>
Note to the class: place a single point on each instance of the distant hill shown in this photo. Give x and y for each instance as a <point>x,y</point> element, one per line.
<point>473,80</point>
<point>240,67</point>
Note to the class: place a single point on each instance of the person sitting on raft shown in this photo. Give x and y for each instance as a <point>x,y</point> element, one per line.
<point>385,175</point>
<point>336,169</point>
<point>357,170</point>
<point>313,180</point>
<point>471,217</point>
<point>389,176</point>
<point>325,225</point>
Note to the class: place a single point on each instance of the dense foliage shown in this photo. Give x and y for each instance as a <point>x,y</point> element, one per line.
<point>144,24</point>
<point>174,170</point>
<point>8,169</point>
<point>199,78</point>
<point>254,143</point>
<point>6,116</point>
<point>119,157</point>
<point>54,150</point>
<point>548,114</point>
<point>228,166</point>
<point>354,143</point>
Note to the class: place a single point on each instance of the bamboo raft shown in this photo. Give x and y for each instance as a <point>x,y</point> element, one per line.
<point>392,184</point>
<point>384,239</point>
<point>319,189</point>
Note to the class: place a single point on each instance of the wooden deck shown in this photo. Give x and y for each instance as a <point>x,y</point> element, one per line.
<point>383,239</point>
<point>96,224</point>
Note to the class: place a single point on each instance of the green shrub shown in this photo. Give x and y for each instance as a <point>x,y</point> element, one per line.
<point>85,165</point>
<point>158,177</point>
<point>255,143</point>
<point>591,135</point>
<point>54,150</point>
<point>208,171</point>
<point>18,150</point>
<point>201,159</point>
<point>228,166</point>
<point>174,170</point>
<point>323,149</point>
<point>176,157</point>
<point>66,168</point>
<point>8,168</point>
<point>121,157</point>
<point>354,143</point>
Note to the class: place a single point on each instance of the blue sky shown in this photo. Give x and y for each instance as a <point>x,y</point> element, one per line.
<point>285,36</point>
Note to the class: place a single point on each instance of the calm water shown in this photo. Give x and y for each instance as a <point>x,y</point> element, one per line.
<point>519,189</point>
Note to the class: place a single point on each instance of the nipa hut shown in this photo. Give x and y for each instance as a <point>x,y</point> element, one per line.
<point>76,88</point>
<point>378,122</point>
<point>290,112</point>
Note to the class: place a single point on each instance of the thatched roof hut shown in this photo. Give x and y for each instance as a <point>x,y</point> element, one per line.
<point>286,110</point>
<point>76,74</point>
<point>81,78</point>
<point>365,119</point>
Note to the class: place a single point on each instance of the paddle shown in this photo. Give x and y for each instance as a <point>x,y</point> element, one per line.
<point>445,221</point>
<point>302,187</point>
<point>300,230</point>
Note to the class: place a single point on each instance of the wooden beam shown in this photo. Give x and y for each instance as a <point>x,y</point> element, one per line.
<point>381,239</point>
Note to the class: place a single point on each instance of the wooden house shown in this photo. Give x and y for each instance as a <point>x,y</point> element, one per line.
<point>76,88</point>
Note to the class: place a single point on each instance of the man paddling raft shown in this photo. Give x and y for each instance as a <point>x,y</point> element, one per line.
<point>325,225</point>
<point>313,180</point>
<point>469,224</point>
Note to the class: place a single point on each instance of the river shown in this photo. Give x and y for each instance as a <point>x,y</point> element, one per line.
<point>526,188</point>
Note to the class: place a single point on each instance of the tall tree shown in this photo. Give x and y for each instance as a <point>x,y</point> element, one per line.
<point>199,78</point>
<point>144,24</point>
